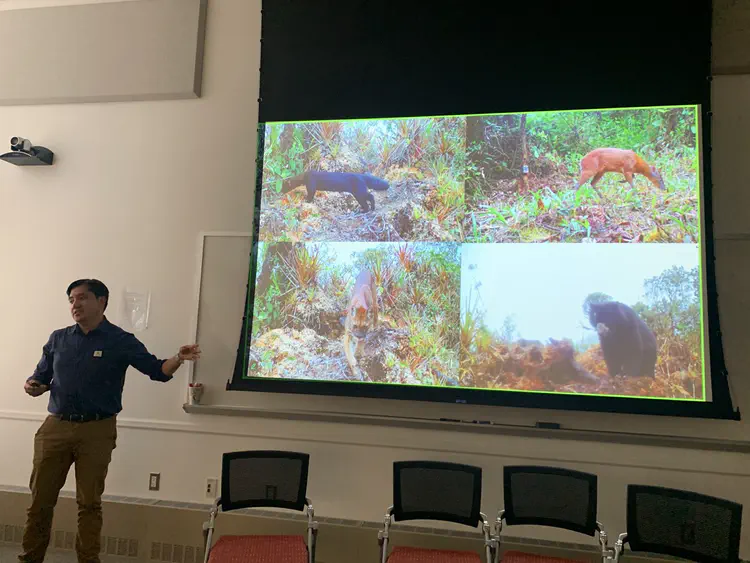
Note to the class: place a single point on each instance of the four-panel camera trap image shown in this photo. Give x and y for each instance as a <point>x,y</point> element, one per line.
<point>552,252</point>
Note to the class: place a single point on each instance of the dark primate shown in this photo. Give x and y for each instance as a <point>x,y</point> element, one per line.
<point>628,345</point>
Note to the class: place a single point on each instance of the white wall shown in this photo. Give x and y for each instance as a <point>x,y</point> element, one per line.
<point>132,187</point>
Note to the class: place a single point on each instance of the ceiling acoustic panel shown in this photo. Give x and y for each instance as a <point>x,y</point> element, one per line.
<point>68,51</point>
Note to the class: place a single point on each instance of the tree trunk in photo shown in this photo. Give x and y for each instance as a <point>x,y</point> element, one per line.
<point>525,153</point>
<point>274,255</point>
<point>474,131</point>
<point>286,137</point>
<point>674,116</point>
<point>476,148</point>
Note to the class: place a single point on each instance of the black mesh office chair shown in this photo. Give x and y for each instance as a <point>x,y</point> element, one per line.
<point>681,524</point>
<point>549,496</point>
<point>271,479</point>
<point>430,490</point>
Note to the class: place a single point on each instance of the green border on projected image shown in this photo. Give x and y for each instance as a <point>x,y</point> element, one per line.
<point>252,270</point>
<point>699,169</point>
<point>701,242</point>
<point>362,119</point>
<point>256,378</point>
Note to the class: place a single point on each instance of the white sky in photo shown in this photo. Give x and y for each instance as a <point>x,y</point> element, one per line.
<point>544,285</point>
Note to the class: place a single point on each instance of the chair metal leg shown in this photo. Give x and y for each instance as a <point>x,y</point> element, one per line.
<point>490,542</point>
<point>498,529</point>
<point>608,553</point>
<point>312,532</point>
<point>208,529</point>
<point>619,547</point>
<point>383,535</point>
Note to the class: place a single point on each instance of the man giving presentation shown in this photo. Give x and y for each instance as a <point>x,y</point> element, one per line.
<point>83,367</point>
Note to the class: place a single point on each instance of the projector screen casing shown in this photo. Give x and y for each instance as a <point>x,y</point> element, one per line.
<point>719,407</point>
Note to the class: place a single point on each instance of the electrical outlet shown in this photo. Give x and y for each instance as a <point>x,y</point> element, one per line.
<point>211,486</point>
<point>154,480</point>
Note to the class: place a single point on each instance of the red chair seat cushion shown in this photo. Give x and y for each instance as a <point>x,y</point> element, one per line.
<point>521,557</point>
<point>418,555</point>
<point>259,549</point>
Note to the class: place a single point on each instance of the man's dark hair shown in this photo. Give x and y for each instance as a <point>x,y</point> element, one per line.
<point>94,286</point>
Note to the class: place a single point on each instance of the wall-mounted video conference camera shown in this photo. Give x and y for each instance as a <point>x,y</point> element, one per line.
<point>20,144</point>
<point>24,153</point>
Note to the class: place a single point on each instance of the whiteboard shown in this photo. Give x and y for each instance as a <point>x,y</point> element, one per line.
<point>223,262</point>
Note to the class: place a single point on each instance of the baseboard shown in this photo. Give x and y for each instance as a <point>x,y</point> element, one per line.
<point>149,530</point>
<point>131,531</point>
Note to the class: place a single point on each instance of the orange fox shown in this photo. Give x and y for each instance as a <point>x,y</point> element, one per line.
<point>361,315</point>
<point>600,161</point>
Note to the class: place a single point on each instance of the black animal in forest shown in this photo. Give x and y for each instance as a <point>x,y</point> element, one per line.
<point>359,185</point>
<point>628,344</point>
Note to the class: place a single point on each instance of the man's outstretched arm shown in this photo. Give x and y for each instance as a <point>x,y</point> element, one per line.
<point>158,370</point>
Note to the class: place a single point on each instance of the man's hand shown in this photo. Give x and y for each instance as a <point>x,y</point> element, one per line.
<point>190,352</point>
<point>34,388</point>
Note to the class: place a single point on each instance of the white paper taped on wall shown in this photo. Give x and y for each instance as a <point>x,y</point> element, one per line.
<point>137,306</point>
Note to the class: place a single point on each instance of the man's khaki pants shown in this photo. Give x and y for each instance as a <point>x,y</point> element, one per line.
<point>58,445</point>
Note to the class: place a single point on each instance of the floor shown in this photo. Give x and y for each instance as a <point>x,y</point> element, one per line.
<point>9,554</point>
